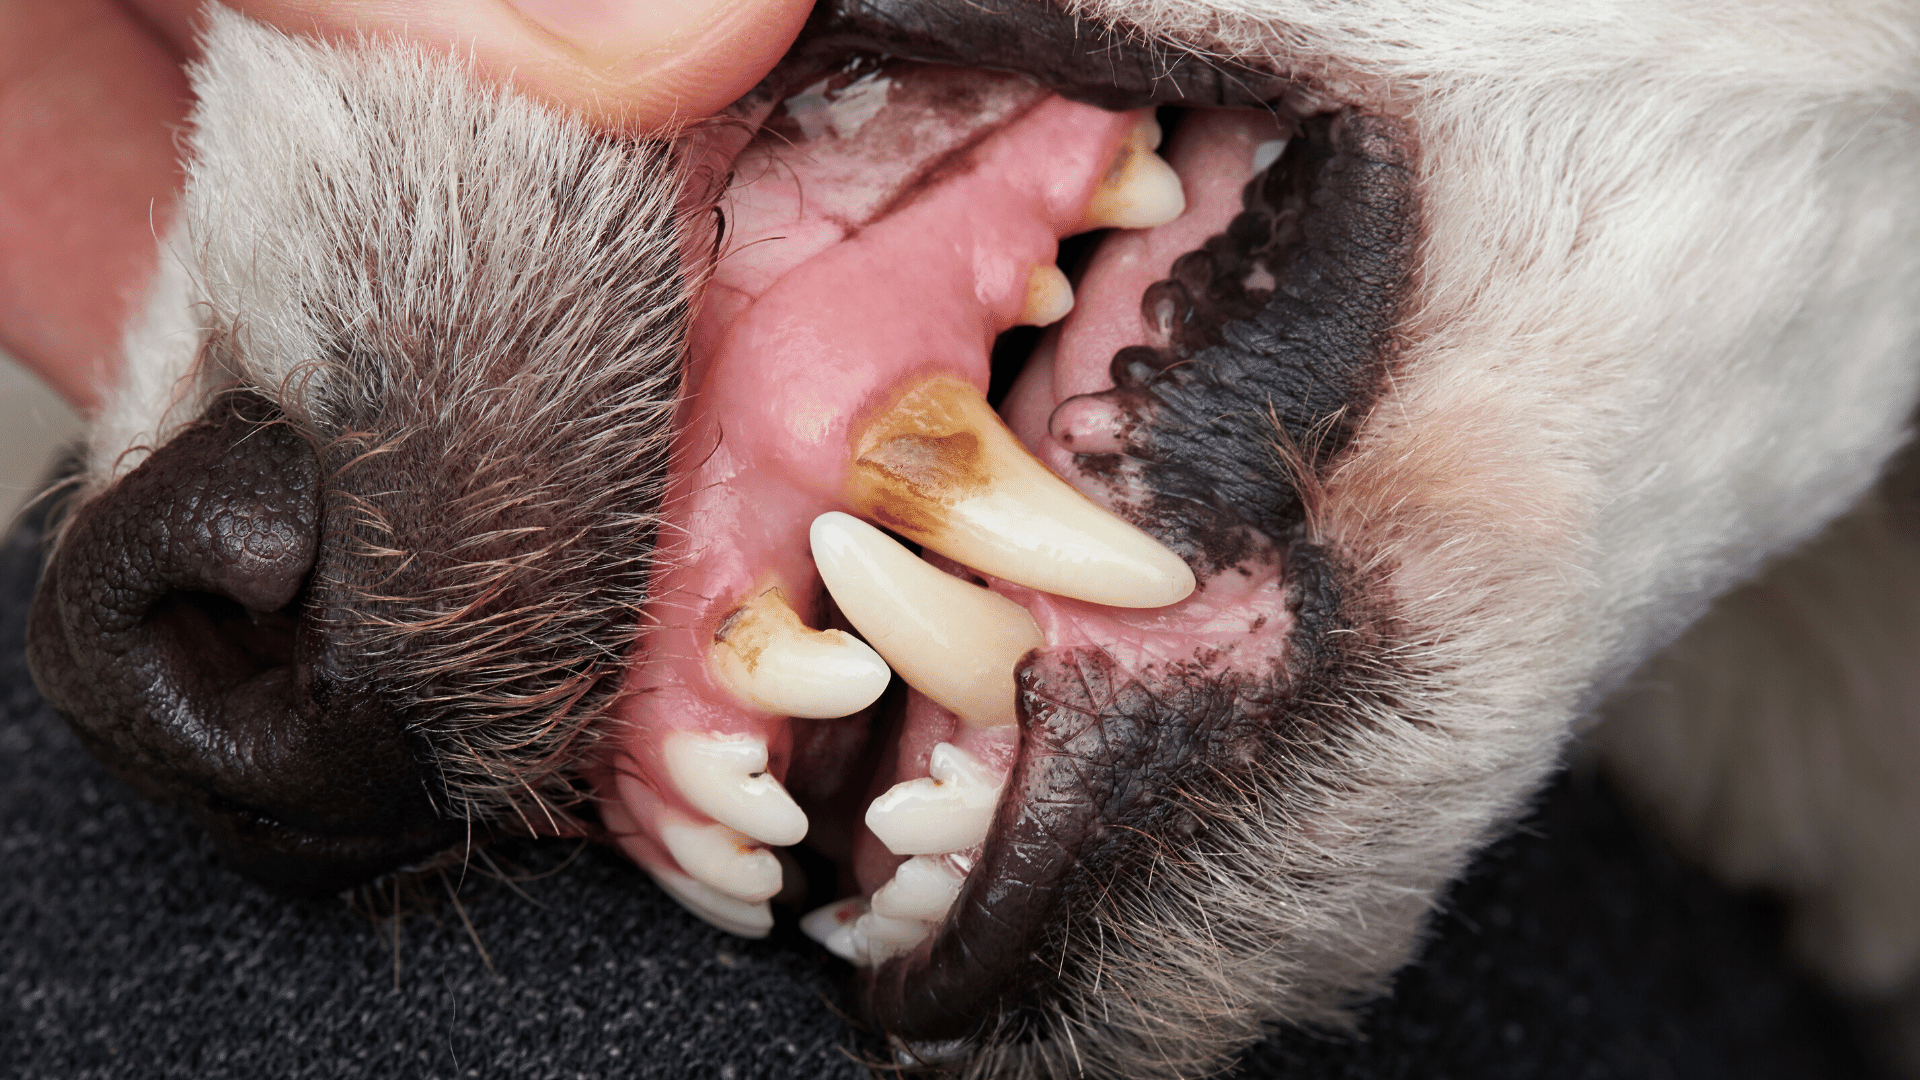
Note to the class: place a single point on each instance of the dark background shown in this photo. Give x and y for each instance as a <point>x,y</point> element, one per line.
<point>1577,949</point>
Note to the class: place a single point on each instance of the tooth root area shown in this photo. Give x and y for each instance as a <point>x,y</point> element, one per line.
<point>725,778</point>
<point>924,888</point>
<point>949,810</point>
<point>1049,296</point>
<point>773,662</point>
<point>940,468</point>
<point>1140,189</point>
<point>717,909</point>
<point>951,640</point>
<point>723,858</point>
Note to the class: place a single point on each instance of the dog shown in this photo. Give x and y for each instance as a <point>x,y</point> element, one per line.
<point>1147,674</point>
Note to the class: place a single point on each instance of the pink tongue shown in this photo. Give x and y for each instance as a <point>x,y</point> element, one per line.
<point>837,289</point>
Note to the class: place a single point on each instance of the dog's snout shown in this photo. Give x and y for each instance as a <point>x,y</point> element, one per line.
<point>173,627</point>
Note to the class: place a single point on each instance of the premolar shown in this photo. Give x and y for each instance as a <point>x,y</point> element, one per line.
<point>1140,189</point>
<point>953,641</point>
<point>774,662</point>
<point>941,468</point>
<point>725,777</point>
<point>1049,296</point>
<point>950,809</point>
<point>923,888</point>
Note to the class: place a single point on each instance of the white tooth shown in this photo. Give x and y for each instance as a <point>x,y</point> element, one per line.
<point>775,663</point>
<point>951,640</point>
<point>735,916</point>
<point>832,926</point>
<point>949,810</point>
<point>1140,189</point>
<point>924,888</point>
<point>1267,153</point>
<point>940,468</point>
<point>1049,296</point>
<point>723,858</point>
<point>725,777</point>
<point>887,938</point>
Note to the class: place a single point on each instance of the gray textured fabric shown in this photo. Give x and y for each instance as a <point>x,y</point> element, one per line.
<point>1577,949</point>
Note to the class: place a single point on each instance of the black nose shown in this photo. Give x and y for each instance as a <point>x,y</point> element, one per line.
<point>172,628</point>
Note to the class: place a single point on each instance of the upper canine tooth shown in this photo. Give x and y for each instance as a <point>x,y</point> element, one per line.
<point>1049,296</point>
<point>735,916</point>
<point>939,467</point>
<point>721,858</point>
<point>775,663</point>
<point>924,888</point>
<point>951,640</point>
<point>949,810</point>
<point>726,778</point>
<point>1140,189</point>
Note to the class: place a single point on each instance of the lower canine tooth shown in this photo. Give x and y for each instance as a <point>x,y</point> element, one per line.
<point>949,810</point>
<point>940,468</point>
<point>775,663</point>
<point>1049,296</point>
<point>951,640</point>
<point>735,916</point>
<point>726,778</point>
<point>924,888</point>
<point>722,858</point>
<point>1140,189</point>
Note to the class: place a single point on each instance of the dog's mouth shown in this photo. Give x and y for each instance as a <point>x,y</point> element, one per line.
<point>1012,397</point>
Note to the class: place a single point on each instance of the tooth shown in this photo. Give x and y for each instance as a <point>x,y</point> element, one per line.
<point>951,640</point>
<point>888,938</point>
<point>924,888</point>
<point>722,858</point>
<point>1140,189</point>
<point>735,916</point>
<point>1049,296</point>
<point>833,927</point>
<point>725,777</point>
<point>940,468</point>
<point>775,663</point>
<point>948,810</point>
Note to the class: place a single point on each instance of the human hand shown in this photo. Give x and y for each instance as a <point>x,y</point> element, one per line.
<point>92,95</point>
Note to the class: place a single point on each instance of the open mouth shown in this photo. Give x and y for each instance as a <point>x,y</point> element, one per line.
<point>983,555</point>
<point>1058,497</point>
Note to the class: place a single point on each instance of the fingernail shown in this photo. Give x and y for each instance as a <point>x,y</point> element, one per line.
<point>614,28</point>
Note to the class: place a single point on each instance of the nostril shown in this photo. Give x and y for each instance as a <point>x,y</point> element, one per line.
<point>228,640</point>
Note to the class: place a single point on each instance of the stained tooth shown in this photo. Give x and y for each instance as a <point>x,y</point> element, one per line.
<point>924,888</point>
<point>951,640</point>
<point>722,858</point>
<point>833,927</point>
<point>948,810</point>
<point>1049,296</point>
<point>725,777</point>
<point>939,467</point>
<point>775,663</point>
<point>735,916</point>
<point>1140,189</point>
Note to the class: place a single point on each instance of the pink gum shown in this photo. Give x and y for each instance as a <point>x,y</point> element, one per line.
<point>765,436</point>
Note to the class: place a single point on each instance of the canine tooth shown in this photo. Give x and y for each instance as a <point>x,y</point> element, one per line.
<point>1049,296</point>
<point>735,916</point>
<point>774,662</point>
<point>951,640</point>
<point>940,468</point>
<point>1267,153</point>
<point>726,778</point>
<point>722,858</point>
<point>924,888</point>
<point>1140,189</point>
<point>948,810</point>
